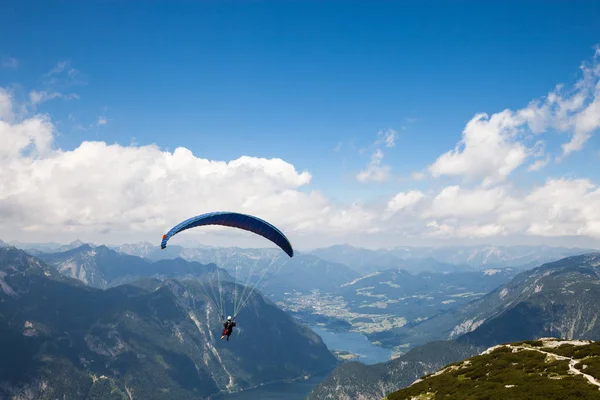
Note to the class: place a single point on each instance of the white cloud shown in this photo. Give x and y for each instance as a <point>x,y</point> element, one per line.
<point>539,164</point>
<point>56,79</point>
<point>564,207</point>
<point>9,62</point>
<point>6,108</point>
<point>404,200</point>
<point>375,172</point>
<point>454,201</point>
<point>587,120</point>
<point>37,97</point>
<point>489,150</point>
<point>102,121</point>
<point>98,191</point>
<point>143,190</point>
<point>492,147</point>
<point>446,230</point>
<point>387,137</point>
<point>558,208</point>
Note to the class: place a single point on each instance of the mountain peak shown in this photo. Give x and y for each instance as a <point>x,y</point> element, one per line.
<point>15,261</point>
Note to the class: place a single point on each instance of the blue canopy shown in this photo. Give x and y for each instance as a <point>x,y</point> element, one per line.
<point>235,220</point>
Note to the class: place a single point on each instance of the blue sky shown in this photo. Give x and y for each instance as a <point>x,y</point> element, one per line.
<point>293,80</point>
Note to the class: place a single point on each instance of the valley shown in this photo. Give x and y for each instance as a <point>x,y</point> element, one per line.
<point>386,316</point>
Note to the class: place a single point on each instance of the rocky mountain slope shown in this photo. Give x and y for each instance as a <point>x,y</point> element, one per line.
<point>101,267</point>
<point>544,369</point>
<point>559,299</point>
<point>145,340</point>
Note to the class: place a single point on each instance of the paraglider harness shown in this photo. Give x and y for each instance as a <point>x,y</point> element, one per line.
<point>228,327</point>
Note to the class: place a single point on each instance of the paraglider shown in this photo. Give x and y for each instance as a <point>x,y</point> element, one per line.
<point>240,221</point>
<point>234,220</point>
<point>228,328</point>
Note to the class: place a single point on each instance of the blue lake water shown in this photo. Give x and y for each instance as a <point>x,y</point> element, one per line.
<point>352,342</point>
<point>355,343</point>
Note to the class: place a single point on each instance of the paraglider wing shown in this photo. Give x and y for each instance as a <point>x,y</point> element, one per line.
<point>234,220</point>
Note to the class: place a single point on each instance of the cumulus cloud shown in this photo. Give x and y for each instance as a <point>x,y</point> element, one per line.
<point>139,191</point>
<point>142,191</point>
<point>564,207</point>
<point>101,188</point>
<point>492,147</point>
<point>489,150</point>
<point>454,201</point>
<point>404,200</point>
<point>560,207</point>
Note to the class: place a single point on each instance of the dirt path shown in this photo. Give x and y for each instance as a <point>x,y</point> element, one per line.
<point>572,363</point>
<point>590,378</point>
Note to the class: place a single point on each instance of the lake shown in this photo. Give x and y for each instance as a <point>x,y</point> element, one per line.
<point>355,343</point>
<point>352,342</point>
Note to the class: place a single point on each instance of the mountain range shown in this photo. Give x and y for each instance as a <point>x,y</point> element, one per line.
<point>102,267</point>
<point>390,305</point>
<point>151,339</point>
<point>365,261</point>
<point>393,307</point>
<point>243,261</point>
<point>445,259</point>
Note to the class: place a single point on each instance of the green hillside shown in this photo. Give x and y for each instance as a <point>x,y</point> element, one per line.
<point>546,369</point>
